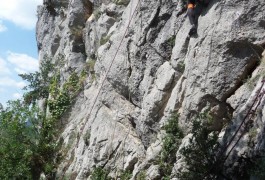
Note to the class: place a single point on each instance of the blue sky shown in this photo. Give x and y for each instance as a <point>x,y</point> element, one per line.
<point>18,47</point>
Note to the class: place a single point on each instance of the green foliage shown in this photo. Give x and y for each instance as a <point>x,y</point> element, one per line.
<point>97,13</point>
<point>71,176</point>
<point>181,66</point>
<point>59,104</point>
<point>27,145</point>
<point>61,98</point>
<point>252,81</point>
<point>125,175</point>
<point>28,137</point>
<point>104,39</point>
<point>253,134</point>
<point>90,66</point>
<point>200,153</point>
<point>73,85</point>
<point>258,168</point>
<point>170,145</point>
<point>15,142</point>
<point>172,138</point>
<point>141,176</point>
<point>99,174</point>
<point>83,77</point>
<point>38,82</point>
<point>87,137</point>
<point>172,40</point>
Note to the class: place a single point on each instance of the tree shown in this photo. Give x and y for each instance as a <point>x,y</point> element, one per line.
<point>18,140</point>
<point>39,82</point>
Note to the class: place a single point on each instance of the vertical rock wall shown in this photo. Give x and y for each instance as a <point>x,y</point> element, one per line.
<point>157,69</point>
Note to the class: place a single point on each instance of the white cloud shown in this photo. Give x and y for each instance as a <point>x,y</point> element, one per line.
<point>23,63</point>
<point>2,26</point>
<point>17,96</point>
<point>21,12</point>
<point>9,82</point>
<point>3,67</point>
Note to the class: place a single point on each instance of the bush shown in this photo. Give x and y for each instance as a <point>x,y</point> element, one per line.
<point>170,145</point>
<point>201,154</point>
<point>141,176</point>
<point>125,175</point>
<point>99,174</point>
<point>59,105</point>
<point>61,98</point>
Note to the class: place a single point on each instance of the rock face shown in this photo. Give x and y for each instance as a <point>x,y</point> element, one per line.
<point>147,66</point>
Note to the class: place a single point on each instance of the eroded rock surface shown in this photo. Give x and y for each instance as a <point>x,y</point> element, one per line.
<point>146,67</point>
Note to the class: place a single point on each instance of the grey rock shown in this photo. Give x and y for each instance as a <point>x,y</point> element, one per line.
<point>153,172</point>
<point>150,69</point>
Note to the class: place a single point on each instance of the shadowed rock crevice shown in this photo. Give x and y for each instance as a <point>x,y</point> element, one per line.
<point>221,112</point>
<point>251,55</point>
<point>112,154</point>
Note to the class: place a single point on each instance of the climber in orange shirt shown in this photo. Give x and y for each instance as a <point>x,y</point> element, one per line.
<point>194,10</point>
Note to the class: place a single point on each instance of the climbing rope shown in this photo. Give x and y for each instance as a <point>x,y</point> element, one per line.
<point>107,72</point>
<point>250,113</point>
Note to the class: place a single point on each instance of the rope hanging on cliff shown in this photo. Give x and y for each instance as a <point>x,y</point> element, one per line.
<point>258,99</point>
<point>259,96</point>
<point>105,77</point>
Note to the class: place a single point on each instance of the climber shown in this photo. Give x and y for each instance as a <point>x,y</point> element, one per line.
<point>194,10</point>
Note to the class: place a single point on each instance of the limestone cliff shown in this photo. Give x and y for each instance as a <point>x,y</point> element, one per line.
<point>146,66</point>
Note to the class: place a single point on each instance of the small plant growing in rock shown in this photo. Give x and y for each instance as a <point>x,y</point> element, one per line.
<point>90,66</point>
<point>172,40</point>
<point>59,104</point>
<point>253,133</point>
<point>104,39</point>
<point>172,139</point>
<point>141,176</point>
<point>125,175</point>
<point>181,66</point>
<point>61,98</point>
<point>170,145</point>
<point>87,137</point>
<point>99,174</point>
<point>97,13</point>
<point>73,85</point>
<point>252,81</point>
